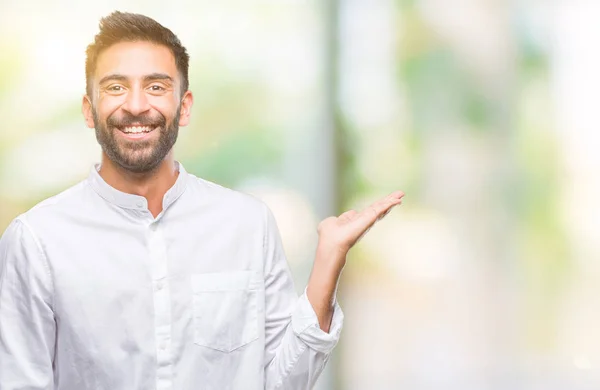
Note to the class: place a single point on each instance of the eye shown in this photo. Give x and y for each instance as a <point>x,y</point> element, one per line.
<point>115,88</point>
<point>156,88</point>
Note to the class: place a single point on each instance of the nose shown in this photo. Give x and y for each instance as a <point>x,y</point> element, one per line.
<point>136,102</point>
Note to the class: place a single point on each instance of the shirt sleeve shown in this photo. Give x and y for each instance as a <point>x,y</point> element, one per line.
<point>296,348</point>
<point>27,325</point>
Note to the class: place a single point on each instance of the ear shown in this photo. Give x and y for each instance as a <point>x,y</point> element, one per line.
<point>186,108</point>
<point>86,109</point>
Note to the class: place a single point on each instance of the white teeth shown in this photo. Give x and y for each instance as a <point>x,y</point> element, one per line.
<point>136,129</point>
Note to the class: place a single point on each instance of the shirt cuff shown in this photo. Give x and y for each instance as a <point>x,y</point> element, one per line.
<point>306,326</point>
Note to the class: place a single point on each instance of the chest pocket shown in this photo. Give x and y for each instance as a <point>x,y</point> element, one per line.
<point>224,309</point>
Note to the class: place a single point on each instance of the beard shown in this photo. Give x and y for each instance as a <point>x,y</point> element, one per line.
<point>137,156</point>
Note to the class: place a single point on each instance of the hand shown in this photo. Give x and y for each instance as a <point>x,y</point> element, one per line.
<point>339,234</point>
<point>336,236</point>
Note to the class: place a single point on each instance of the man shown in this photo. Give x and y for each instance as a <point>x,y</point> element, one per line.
<point>144,276</point>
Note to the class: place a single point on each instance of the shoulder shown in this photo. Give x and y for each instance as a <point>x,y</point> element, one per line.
<point>53,208</point>
<point>219,197</point>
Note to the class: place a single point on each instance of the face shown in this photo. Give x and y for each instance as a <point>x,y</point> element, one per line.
<point>136,105</point>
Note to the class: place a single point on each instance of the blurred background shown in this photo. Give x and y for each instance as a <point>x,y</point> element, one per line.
<point>483,112</point>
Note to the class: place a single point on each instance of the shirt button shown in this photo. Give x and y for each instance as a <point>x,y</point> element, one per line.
<point>160,286</point>
<point>163,346</point>
<point>139,204</point>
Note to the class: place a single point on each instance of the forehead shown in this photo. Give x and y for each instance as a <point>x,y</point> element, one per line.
<point>136,59</point>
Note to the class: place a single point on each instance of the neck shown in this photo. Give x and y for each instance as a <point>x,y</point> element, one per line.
<point>151,185</point>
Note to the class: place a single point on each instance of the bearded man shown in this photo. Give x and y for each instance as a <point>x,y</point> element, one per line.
<point>144,276</point>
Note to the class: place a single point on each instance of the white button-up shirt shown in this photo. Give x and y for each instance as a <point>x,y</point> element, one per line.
<point>96,293</point>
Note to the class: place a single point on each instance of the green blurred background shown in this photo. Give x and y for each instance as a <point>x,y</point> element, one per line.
<point>483,112</point>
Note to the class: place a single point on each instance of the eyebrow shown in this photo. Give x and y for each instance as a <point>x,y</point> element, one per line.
<point>146,78</point>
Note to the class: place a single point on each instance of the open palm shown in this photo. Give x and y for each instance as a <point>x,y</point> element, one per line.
<point>346,230</point>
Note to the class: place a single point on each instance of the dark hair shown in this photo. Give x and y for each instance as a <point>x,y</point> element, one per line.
<point>127,27</point>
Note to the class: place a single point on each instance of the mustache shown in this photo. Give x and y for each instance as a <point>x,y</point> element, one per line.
<point>138,120</point>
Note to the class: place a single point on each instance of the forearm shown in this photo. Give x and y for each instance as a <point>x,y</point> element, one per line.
<point>303,351</point>
<point>323,281</point>
<point>297,356</point>
<point>297,348</point>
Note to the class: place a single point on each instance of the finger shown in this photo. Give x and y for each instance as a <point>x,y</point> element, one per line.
<point>348,215</point>
<point>371,214</point>
<point>388,211</point>
<point>396,195</point>
<point>397,198</point>
<point>324,222</point>
<point>380,208</point>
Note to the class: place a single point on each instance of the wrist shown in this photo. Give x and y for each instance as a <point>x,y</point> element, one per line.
<point>331,255</point>
<point>328,265</point>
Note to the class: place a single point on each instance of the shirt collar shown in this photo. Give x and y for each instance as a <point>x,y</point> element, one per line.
<point>131,201</point>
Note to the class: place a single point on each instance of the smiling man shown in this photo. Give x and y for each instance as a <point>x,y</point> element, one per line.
<point>144,276</point>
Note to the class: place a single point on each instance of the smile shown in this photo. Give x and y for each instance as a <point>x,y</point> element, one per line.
<point>136,132</point>
<point>136,129</point>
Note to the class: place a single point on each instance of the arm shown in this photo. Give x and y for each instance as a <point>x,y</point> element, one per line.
<point>27,326</point>
<point>301,333</point>
<point>296,349</point>
<point>337,235</point>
